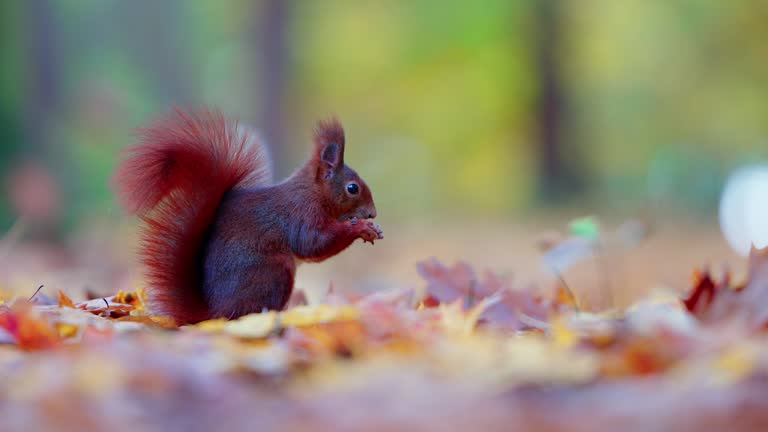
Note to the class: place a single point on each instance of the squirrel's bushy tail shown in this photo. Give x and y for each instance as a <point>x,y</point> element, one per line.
<point>174,180</point>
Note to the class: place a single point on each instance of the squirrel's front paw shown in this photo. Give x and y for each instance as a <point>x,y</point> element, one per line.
<point>368,230</point>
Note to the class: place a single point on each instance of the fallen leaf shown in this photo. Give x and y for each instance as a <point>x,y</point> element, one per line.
<point>253,326</point>
<point>317,314</point>
<point>66,330</point>
<point>568,253</point>
<point>736,363</point>
<point>713,302</point>
<point>562,335</point>
<point>29,330</point>
<point>460,285</point>
<point>151,321</point>
<point>65,301</point>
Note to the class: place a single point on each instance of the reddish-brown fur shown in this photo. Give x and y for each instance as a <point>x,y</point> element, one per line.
<point>219,240</point>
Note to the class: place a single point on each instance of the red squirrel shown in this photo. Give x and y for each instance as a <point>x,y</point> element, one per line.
<point>220,239</point>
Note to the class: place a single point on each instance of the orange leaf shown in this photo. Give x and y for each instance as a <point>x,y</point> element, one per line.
<point>65,301</point>
<point>565,297</point>
<point>28,330</point>
<point>135,298</point>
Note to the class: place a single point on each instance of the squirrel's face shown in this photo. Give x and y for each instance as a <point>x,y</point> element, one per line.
<point>348,196</point>
<point>351,195</point>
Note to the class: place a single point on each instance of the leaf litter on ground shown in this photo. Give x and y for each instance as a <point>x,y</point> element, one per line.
<point>469,350</point>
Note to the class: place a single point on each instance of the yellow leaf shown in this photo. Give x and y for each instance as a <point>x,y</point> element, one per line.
<point>141,296</point>
<point>562,335</point>
<point>66,330</point>
<point>454,318</point>
<point>212,326</point>
<point>152,321</point>
<point>317,314</point>
<point>736,363</point>
<point>137,299</point>
<point>252,326</point>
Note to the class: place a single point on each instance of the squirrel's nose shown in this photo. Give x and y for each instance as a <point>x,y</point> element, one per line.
<point>372,213</point>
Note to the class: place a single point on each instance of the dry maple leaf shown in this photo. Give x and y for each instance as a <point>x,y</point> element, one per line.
<point>106,308</point>
<point>712,301</point>
<point>447,285</point>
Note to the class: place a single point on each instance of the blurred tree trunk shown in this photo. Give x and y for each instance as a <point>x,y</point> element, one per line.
<point>34,188</point>
<point>10,117</point>
<point>271,20</point>
<point>558,177</point>
<point>152,34</point>
<point>41,93</point>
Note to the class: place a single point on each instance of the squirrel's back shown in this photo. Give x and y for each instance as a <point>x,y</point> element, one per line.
<point>175,179</point>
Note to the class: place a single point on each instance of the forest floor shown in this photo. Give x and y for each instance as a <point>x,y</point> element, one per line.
<point>483,336</point>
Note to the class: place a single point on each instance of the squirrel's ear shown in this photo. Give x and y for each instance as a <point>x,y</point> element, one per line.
<point>329,141</point>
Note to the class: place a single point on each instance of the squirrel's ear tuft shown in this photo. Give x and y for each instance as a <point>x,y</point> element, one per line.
<point>329,141</point>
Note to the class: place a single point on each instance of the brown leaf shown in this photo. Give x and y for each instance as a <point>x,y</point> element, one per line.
<point>712,301</point>
<point>448,284</point>
<point>460,283</point>
<point>702,294</point>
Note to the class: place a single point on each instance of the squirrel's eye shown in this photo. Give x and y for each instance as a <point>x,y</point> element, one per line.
<point>353,188</point>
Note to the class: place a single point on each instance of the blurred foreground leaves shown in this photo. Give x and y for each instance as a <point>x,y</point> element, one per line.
<point>464,352</point>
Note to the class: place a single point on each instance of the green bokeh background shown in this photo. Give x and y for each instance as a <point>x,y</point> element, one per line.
<point>659,100</point>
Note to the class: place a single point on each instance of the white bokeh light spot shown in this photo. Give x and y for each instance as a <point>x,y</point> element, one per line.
<point>744,208</point>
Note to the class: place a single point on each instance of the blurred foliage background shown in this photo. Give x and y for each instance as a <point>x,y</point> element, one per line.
<point>483,110</point>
